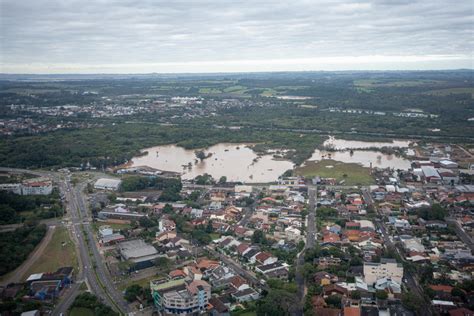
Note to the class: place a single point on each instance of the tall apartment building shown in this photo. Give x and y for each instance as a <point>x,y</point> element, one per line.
<point>387,268</point>
<point>180,297</point>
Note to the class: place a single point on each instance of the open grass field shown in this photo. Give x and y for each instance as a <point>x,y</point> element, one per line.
<point>371,83</point>
<point>209,90</point>
<point>235,89</point>
<point>145,282</point>
<point>268,92</point>
<point>352,173</point>
<point>60,252</point>
<point>444,92</point>
<point>81,311</point>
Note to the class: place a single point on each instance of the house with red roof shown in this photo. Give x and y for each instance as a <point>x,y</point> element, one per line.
<point>177,274</point>
<point>331,238</point>
<point>243,248</point>
<point>265,258</point>
<point>239,283</point>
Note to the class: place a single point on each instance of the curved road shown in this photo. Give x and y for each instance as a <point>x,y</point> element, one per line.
<point>17,275</point>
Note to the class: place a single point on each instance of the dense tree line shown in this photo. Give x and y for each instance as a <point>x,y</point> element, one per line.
<point>435,212</point>
<point>90,301</point>
<point>170,187</point>
<point>15,246</point>
<point>115,144</point>
<point>42,206</point>
<point>280,299</point>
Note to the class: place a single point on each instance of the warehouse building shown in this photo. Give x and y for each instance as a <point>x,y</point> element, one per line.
<point>139,253</point>
<point>107,184</point>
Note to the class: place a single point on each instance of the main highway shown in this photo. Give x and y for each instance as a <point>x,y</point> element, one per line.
<point>92,268</point>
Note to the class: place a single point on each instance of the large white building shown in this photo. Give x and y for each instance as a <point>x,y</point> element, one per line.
<point>108,184</point>
<point>387,268</point>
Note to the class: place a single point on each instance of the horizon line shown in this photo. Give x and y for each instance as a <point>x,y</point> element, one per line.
<point>234,72</point>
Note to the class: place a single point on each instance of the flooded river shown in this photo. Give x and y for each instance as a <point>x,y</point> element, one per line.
<point>238,162</point>
<point>235,161</point>
<point>341,144</point>
<point>363,157</point>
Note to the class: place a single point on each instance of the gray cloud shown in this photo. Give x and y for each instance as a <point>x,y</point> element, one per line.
<point>94,33</point>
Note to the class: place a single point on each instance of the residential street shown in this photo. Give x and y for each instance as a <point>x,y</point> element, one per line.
<point>310,243</point>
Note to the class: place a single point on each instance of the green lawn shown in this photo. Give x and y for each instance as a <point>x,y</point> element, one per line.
<point>145,282</point>
<point>215,235</point>
<point>355,173</point>
<point>114,226</point>
<point>81,311</point>
<point>60,252</point>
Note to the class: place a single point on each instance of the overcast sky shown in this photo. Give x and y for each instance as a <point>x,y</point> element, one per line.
<point>130,36</point>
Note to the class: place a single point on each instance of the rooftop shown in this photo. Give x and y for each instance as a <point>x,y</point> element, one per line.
<point>104,182</point>
<point>136,249</point>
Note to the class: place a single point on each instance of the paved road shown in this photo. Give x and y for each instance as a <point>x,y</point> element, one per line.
<point>17,275</point>
<point>94,270</point>
<point>410,277</point>
<point>86,272</point>
<point>251,277</point>
<point>91,266</point>
<point>461,232</point>
<point>248,212</point>
<point>310,243</point>
<point>77,213</point>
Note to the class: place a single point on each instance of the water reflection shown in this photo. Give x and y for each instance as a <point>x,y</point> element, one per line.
<point>235,161</point>
<point>238,162</point>
<point>341,144</point>
<point>377,159</point>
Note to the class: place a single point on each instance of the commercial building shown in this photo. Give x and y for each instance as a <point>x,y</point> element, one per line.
<point>141,254</point>
<point>111,239</point>
<point>39,186</point>
<point>431,174</point>
<point>180,297</point>
<point>47,286</point>
<point>107,184</point>
<point>387,268</point>
<point>120,212</point>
